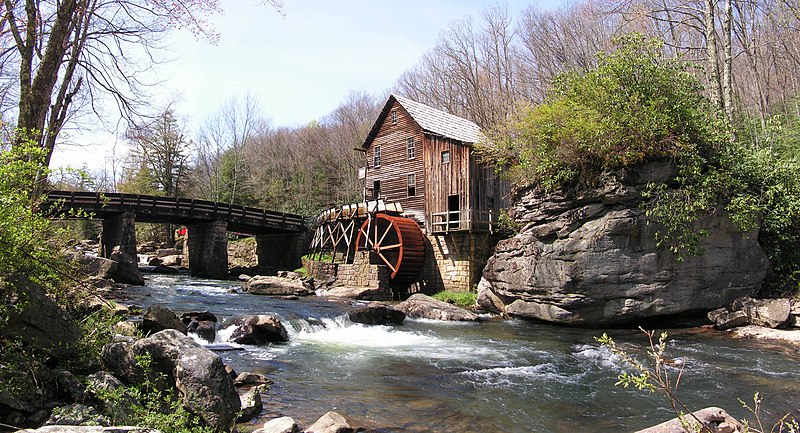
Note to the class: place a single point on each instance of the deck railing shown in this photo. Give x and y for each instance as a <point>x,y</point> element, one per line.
<point>60,202</point>
<point>468,220</point>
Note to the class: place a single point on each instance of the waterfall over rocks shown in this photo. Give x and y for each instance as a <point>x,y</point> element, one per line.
<point>591,259</point>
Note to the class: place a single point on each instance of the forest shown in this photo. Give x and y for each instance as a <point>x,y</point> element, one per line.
<point>746,54</point>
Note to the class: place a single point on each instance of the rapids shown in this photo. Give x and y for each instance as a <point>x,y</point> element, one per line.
<point>496,376</point>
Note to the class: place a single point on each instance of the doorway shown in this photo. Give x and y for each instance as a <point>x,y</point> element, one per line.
<point>454,212</point>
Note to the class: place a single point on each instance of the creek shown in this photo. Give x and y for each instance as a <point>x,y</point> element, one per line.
<point>495,376</point>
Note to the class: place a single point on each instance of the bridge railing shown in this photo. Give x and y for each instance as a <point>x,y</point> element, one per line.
<point>190,208</point>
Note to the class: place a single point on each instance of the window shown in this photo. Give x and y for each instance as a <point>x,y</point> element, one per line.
<point>394,117</point>
<point>412,184</point>
<point>446,157</point>
<point>410,147</point>
<point>376,157</point>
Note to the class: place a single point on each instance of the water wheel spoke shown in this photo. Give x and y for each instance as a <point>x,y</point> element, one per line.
<point>391,247</point>
<point>366,237</point>
<point>387,263</point>
<point>388,229</point>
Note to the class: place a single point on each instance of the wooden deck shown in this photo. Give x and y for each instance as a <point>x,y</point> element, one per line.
<point>152,209</point>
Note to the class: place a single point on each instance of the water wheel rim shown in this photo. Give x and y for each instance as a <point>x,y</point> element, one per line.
<point>372,243</point>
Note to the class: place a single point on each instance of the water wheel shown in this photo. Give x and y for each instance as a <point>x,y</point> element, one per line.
<point>397,242</point>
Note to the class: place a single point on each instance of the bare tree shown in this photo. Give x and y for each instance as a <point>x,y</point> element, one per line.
<point>72,53</point>
<point>221,172</point>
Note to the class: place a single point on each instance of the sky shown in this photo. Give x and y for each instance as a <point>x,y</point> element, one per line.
<point>299,64</point>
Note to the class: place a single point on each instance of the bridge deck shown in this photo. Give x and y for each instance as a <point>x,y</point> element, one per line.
<point>152,209</point>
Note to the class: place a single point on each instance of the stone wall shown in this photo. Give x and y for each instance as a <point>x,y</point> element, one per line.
<point>455,261</point>
<point>321,271</point>
<point>363,274</point>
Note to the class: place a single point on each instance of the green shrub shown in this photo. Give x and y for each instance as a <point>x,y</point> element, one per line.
<point>636,106</point>
<point>461,299</point>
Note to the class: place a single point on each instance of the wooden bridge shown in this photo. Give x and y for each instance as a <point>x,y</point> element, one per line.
<point>280,236</point>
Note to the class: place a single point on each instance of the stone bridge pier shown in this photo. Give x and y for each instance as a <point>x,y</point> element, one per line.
<point>281,252</point>
<point>119,230</point>
<point>207,249</point>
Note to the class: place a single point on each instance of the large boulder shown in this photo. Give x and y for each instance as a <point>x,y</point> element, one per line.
<point>94,265</point>
<point>260,329</point>
<point>37,319</point>
<point>419,306</point>
<point>376,313</point>
<point>769,313</point>
<point>711,420</point>
<point>127,268</point>
<point>198,374</point>
<point>592,259</point>
<point>277,286</point>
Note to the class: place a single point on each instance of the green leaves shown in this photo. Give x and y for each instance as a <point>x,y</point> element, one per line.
<point>635,107</point>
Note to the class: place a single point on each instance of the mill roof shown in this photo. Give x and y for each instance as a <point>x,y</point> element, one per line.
<point>431,121</point>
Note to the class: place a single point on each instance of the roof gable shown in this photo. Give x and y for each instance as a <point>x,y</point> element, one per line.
<point>431,120</point>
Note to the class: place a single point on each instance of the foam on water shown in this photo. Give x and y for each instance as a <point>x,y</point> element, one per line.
<point>514,376</point>
<point>342,332</point>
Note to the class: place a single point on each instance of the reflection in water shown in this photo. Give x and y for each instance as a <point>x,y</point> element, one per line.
<point>497,376</point>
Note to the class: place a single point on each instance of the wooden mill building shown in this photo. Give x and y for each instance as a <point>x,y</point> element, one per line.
<point>423,158</point>
<point>430,206</point>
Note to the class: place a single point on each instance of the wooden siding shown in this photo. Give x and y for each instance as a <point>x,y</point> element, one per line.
<point>395,165</point>
<point>447,179</point>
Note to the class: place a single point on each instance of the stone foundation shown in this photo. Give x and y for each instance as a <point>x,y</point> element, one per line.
<point>321,271</point>
<point>363,274</point>
<point>455,261</point>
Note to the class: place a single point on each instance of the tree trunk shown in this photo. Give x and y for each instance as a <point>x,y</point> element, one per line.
<point>711,51</point>
<point>727,79</point>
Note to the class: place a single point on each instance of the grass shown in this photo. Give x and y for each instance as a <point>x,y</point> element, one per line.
<point>460,299</point>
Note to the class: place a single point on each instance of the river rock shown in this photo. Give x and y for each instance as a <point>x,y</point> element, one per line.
<point>714,419</point>
<point>279,425</point>
<point>419,306</point>
<point>37,319</point>
<point>259,330</point>
<point>770,313</point>
<point>77,414</point>
<point>376,313</point>
<point>725,319</point>
<point>198,315</point>
<point>780,336</point>
<point>158,318</point>
<point>205,329</point>
<point>591,258</point>
<point>203,385</point>
<point>127,268</point>
<point>89,429</point>
<point>277,286</point>
<point>251,379</point>
<point>164,252</point>
<point>251,404</point>
<point>173,260</point>
<point>361,293</point>
<point>331,422</point>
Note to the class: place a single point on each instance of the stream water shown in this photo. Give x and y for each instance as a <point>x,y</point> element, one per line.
<point>495,376</point>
